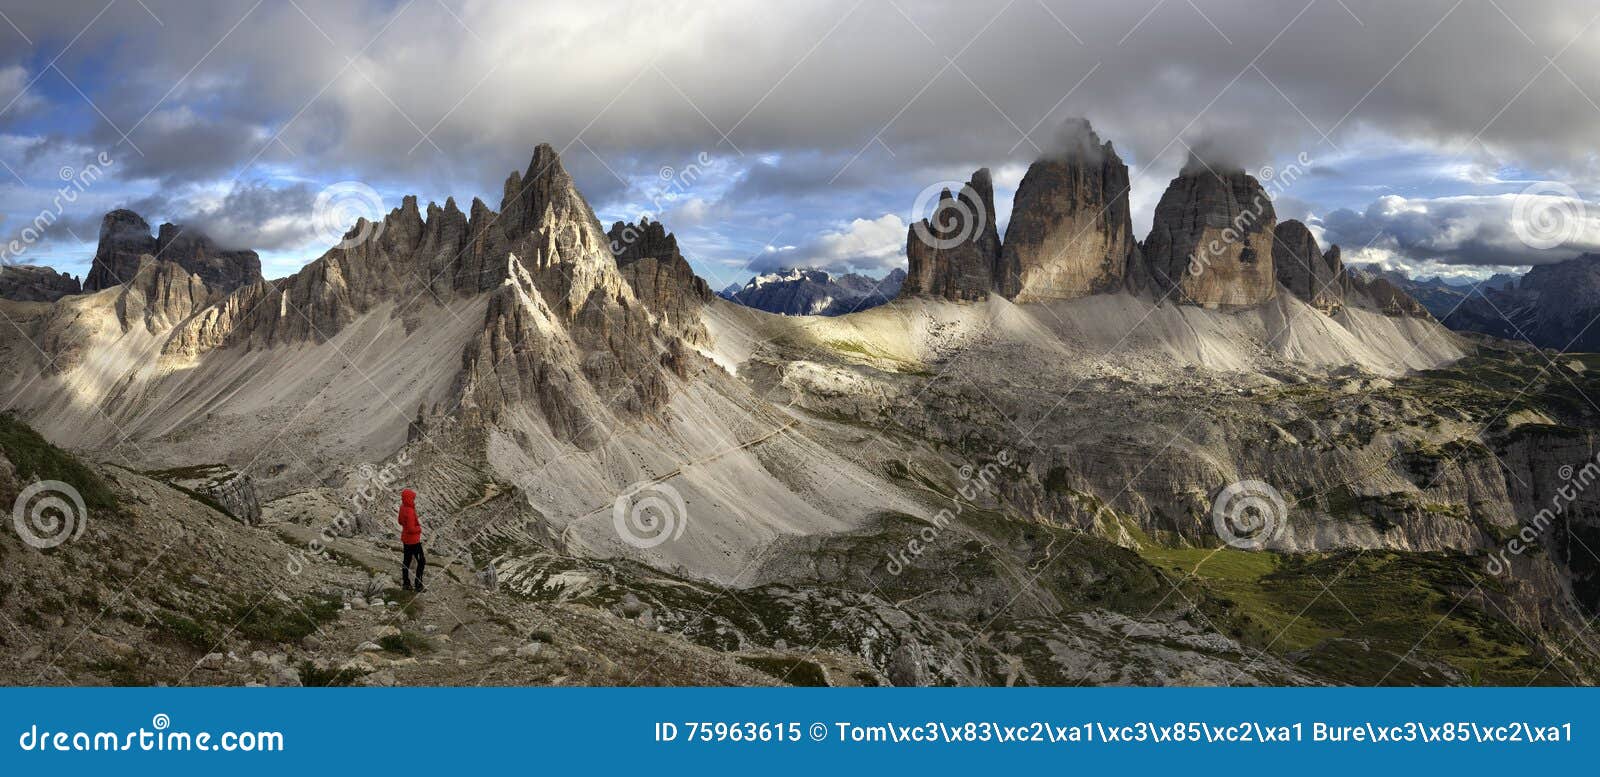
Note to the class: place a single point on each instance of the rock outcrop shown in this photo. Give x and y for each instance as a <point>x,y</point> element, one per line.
<point>1381,295</point>
<point>125,237</point>
<point>219,485</point>
<point>1316,277</point>
<point>1210,243</point>
<point>162,295</point>
<point>31,283</point>
<point>195,252</point>
<point>649,258</point>
<point>1070,233</point>
<point>955,252</point>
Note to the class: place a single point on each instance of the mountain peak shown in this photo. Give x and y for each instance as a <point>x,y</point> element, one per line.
<point>542,194</point>
<point>953,253</point>
<point>125,237</point>
<point>1070,234</point>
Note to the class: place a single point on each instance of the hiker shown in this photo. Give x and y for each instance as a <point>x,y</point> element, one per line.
<point>411,538</point>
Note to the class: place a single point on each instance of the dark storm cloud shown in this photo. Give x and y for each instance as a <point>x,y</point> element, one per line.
<point>257,216</point>
<point>433,96</point>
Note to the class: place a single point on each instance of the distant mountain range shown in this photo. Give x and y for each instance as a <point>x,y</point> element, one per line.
<point>1441,297</point>
<point>814,292</point>
<point>1553,306</point>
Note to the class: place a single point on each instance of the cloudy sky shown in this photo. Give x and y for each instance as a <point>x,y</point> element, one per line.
<point>1441,134</point>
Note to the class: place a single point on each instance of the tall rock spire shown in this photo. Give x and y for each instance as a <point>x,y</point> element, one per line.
<point>1305,270</point>
<point>124,237</point>
<point>1070,234</point>
<point>955,251</point>
<point>1210,243</point>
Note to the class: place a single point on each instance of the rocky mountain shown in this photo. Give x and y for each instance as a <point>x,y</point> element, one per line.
<point>1442,297</point>
<point>1211,242</point>
<point>955,252</point>
<point>649,258</point>
<point>624,477</point>
<point>1214,241</point>
<point>1070,233</point>
<point>1320,278</point>
<point>1552,306</point>
<point>30,283</point>
<point>815,292</point>
<point>1305,270</point>
<point>125,237</point>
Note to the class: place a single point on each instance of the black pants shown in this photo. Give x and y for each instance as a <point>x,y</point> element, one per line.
<point>413,551</point>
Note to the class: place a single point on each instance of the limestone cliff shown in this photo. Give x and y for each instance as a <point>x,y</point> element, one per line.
<point>955,251</point>
<point>1070,233</point>
<point>125,237</point>
<point>1316,277</point>
<point>1210,243</point>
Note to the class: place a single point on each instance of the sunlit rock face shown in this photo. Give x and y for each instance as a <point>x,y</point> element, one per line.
<point>1070,233</point>
<point>1210,243</point>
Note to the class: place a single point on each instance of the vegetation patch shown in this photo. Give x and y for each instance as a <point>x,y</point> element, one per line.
<point>406,643</point>
<point>271,620</point>
<point>788,669</point>
<point>311,676</point>
<point>36,459</point>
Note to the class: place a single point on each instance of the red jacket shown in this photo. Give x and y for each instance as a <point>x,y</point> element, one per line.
<point>410,527</point>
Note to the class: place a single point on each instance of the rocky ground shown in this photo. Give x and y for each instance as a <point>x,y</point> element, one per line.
<point>162,588</point>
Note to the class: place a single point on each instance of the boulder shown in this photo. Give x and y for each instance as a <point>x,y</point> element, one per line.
<point>233,491</point>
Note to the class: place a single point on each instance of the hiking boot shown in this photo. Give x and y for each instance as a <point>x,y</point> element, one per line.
<point>419,589</point>
<point>406,586</point>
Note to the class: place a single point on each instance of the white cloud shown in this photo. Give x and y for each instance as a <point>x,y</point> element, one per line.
<point>870,245</point>
<point>1534,227</point>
